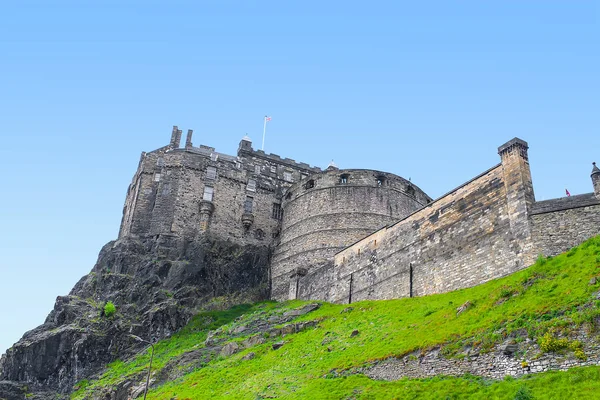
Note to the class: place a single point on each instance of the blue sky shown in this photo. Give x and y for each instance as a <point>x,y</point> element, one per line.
<point>426,90</point>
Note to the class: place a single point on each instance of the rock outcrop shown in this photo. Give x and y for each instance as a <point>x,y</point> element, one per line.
<point>156,284</point>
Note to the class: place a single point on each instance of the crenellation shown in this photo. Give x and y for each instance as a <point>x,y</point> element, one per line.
<point>355,234</point>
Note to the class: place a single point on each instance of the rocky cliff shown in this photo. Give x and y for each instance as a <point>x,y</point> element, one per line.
<point>156,284</point>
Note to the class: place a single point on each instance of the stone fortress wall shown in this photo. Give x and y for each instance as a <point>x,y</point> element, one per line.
<point>485,229</point>
<point>349,235</point>
<point>180,193</point>
<point>328,211</point>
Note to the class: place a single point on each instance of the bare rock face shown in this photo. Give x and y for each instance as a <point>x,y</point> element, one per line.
<point>156,284</point>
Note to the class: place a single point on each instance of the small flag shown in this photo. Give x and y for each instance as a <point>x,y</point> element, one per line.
<point>568,194</point>
<point>267,118</point>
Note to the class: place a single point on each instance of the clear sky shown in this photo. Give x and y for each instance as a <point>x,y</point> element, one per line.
<point>424,89</point>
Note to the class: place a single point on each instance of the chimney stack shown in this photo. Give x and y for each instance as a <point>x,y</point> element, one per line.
<point>188,139</point>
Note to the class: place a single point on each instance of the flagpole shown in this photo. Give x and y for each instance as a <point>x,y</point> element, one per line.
<point>264,132</point>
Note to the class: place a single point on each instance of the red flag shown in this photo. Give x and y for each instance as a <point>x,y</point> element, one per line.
<point>267,118</point>
<point>568,194</point>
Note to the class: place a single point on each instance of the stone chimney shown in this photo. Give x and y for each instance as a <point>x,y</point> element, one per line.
<point>188,139</point>
<point>596,180</point>
<point>175,137</point>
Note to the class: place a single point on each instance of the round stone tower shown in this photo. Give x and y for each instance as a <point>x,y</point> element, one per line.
<point>328,211</point>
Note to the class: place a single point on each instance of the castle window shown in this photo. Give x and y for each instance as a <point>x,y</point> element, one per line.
<point>344,178</point>
<point>238,165</point>
<point>410,191</point>
<point>166,188</point>
<point>248,204</point>
<point>273,169</point>
<point>257,169</point>
<point>160,162</point>
<point>288,196</point>
<point>211,173</point>
<point>277,211</point>
<point>380,180</point>
<point>208,193</point>
<point>287,176</point>
<point>157,177</point>
<point>251,186</point>
<point>214,156</point>
<point>310,184</point>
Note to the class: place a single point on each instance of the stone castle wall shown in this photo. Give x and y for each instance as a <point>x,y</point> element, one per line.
<point>560,224</point>
<point>329,211</point>
<point>476,233</point>
<point>348,235</point>
<point>168,195</point>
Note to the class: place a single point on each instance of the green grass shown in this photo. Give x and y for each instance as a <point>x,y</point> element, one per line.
<point>543,302</point>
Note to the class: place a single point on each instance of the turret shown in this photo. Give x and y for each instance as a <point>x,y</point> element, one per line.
<point>245,145</point>
<point>519,196</point>
<point>596,180</point>
<point>515,161</point>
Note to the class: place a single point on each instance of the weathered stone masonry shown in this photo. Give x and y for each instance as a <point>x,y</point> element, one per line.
<point>487,228</point>
<point>329,211</point>
<point>347,235</point>
<point>182,193</point>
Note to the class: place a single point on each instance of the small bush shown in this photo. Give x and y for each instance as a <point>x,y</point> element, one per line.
<point>549,343</point>
<point>109,309</point>
<point>576,345</point>
<point>541,260</point>
<point>523,394</point>
<point>579,353</point>
<point>506,292</point>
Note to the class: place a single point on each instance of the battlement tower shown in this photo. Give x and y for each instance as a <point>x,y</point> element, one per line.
<point>328,211</point>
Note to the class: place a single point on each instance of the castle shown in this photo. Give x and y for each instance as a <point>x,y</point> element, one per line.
<point>344,235</point>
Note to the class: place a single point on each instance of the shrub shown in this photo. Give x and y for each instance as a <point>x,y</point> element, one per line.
<point>109,309</point>
<point>580,354</point>
<point>541,260</point>
<point>576,345</point>
<point>506,292</point>
<point>549,343</point>
<point>523,394</point>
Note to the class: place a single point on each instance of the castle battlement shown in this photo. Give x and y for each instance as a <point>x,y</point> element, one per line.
<point>349,234</point>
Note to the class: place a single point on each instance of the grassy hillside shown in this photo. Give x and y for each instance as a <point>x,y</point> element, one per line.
<point>544,302</point>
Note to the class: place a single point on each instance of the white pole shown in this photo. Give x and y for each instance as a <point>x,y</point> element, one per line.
<point>264,132</point>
